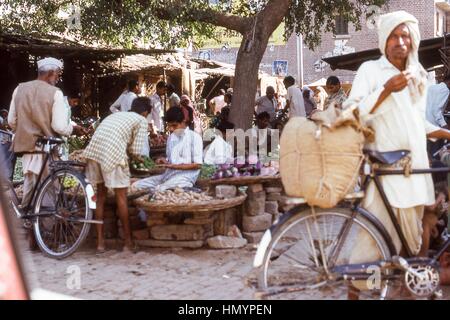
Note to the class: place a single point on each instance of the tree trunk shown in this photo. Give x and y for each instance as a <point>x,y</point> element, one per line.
<point>246,80</point>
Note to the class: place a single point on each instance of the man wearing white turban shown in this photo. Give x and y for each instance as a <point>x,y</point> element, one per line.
<point>37,109</point>
<point>391,95</point>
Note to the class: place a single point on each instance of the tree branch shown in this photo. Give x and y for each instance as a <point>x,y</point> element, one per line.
<point>176,8</point>
<point>273,14</point>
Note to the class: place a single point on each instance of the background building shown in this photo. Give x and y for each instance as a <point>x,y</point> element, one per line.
<point>434,20</point>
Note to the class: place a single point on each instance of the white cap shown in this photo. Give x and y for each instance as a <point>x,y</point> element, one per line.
<point>48,64</point>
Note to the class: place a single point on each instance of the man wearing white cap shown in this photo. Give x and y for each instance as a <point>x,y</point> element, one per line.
<point>391,95</point>
<point>37,109</point>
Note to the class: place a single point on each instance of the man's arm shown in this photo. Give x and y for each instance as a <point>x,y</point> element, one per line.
<point>12,116</point>
<point>439,134</point>
<point>115,107</point>
<point>60,117</point>
<point>395,84</point>
<point>438,112</point>
<point>185,166</point>
<point>138,139</point>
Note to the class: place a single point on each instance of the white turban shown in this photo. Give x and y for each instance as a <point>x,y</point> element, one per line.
<point>48,64</point>
<point>386,25</point>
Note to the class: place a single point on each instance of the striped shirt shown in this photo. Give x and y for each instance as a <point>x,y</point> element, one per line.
<point>120,134</point>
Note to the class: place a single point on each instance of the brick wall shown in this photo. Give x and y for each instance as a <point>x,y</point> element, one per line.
<point>364,39</point>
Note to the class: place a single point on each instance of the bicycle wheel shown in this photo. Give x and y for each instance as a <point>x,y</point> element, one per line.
<point>63,196</point>
<point>305,249</point>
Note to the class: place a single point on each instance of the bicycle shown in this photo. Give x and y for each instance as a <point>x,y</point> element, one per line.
<point>60,207</point>
<point>309,250</point>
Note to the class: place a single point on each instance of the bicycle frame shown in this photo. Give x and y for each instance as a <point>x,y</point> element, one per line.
<point>375,177</point>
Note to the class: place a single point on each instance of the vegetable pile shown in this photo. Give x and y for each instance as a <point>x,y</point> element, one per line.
<point>237,170</point>
<point>147,164</point>
<point>245,170</point>
<point>207,171</point>
<point>158,141</point>
<point>179,196</point>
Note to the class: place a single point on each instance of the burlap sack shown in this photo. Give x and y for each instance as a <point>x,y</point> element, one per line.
<point>320,159</point>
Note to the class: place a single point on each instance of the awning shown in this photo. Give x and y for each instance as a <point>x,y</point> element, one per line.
<point>429,55</point>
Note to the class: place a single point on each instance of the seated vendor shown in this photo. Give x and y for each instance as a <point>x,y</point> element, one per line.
<point>184,156</point>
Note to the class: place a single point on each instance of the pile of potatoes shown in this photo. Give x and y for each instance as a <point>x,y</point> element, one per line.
<point>179,196</point>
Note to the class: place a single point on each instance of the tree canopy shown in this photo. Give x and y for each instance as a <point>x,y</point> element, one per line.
<point>172,23</point>
<point>175,23</point>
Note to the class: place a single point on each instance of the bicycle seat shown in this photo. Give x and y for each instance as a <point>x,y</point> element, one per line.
<point>50,140</point>
<point>389,157</point>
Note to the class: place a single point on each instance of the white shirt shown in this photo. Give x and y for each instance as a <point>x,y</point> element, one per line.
<point>60,124</point>
<point>116,106</point>
<point>127,101</point>
<point>296,103</point>
<point>219,103</point>
<point>123,103</point>
<point>399,124</point>
<point>218,152</point>
<point>184,149</point>
<point>155,117</point>
<point>174,100</point>
<point>264,104</point>
<point>436,102</point>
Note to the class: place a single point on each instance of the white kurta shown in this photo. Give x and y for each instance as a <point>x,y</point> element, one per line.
<point>181,149</point>
<point>399,124</point>
<point>155,117</point>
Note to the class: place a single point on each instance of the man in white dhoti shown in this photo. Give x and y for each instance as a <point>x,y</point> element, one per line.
<point>38,109</point>
<point>391,94</point>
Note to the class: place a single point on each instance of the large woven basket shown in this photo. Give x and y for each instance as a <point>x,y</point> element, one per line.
<point>199,206</point>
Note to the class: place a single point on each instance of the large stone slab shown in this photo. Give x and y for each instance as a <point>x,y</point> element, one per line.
<point>225,191</point>
<point>170,244</point>
<point>273,197</point>
<point>140,234</point>
<point>255,188</point>
<point>255,205</point>
<point>271,207</point>
<point>225,242</point>
<point>253,237</point>
<point>274,190</point>
<point>256,223</point>
<point>177,232</point>
<point>224,219</point>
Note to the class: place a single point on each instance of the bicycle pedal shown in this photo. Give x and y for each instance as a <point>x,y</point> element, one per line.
<point>437,295</point>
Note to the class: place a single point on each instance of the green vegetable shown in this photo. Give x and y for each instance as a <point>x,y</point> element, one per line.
<point>146,164</point>
<point>207,171</point>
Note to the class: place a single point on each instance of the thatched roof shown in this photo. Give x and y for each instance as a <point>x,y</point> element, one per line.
<point>63,48</point>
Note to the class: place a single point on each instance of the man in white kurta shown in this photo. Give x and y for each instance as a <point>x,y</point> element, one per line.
<point>398,118</point>
<point>184,157</point>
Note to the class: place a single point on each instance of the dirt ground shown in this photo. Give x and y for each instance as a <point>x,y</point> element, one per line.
<point>152,274</point>
<point>148,274</point>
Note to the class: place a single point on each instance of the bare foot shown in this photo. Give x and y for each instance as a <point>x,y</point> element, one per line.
<point>101,246</point>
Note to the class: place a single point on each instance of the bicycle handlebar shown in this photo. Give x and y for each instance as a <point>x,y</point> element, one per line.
<point>6,132</point>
